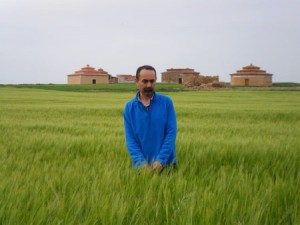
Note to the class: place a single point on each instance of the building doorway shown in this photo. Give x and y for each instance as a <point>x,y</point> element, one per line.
<point>180,80</point>
<point>94,81</point>
<point>246,82</point>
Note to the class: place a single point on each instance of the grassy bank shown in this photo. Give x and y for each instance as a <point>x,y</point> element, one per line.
<point>63,160</point>
<point>162,87</point>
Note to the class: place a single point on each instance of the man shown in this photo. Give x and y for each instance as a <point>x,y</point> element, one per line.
<point>150,125</point>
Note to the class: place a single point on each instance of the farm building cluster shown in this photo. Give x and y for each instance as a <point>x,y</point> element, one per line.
<point>248,76</point>
<point>89,75</point>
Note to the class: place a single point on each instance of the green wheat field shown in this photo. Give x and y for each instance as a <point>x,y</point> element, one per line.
<point>63,159</point>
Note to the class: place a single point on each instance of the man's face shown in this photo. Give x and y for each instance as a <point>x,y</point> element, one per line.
<point>146,82</point>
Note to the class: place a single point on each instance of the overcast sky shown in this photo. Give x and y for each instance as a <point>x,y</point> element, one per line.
<point>42,41</point>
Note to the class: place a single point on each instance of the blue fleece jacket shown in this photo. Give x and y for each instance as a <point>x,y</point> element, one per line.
<point>150,132</point>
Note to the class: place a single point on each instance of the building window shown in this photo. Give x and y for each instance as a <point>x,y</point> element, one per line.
<point>94,81</point>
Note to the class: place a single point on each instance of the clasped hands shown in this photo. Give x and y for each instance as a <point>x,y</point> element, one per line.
<point>156,167</point>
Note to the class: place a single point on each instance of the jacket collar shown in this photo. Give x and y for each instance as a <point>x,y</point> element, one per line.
<point>137,96</point>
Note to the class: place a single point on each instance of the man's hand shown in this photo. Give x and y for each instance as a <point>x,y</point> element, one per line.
<point>146,168</point>
<point>157,167</point>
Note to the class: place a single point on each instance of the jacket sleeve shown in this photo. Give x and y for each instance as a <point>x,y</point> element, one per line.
<point>138,159</point>
<point>170,136</point>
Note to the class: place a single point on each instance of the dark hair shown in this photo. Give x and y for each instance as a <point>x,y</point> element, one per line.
<point>145,67</point>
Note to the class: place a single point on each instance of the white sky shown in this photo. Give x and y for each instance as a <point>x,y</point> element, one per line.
<point>42,41</point>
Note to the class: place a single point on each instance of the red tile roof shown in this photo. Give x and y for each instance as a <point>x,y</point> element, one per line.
<point>251,70</point>
<point>183,71</point>
<point>89,71</point>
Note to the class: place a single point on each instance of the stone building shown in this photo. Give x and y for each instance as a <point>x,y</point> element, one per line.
<point>251,76</point>
<point>178,76</point>
<point>189,78</point>
<point>89,75</point>
<point>126,78</point>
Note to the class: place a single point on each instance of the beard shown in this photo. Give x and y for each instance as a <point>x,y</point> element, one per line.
<point>148,92</point>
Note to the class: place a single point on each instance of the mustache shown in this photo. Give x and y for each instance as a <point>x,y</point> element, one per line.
<point>148,89</point>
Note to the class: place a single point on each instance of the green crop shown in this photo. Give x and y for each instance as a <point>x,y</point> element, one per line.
<point>63,160</point>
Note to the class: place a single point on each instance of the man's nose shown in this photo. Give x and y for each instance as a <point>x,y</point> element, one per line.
<point>148,84</point>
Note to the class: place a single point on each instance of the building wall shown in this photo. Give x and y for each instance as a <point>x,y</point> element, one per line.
<point>73,79</point>
<point>170,77</point>
<point>113,80</point>
<point>122,80</point>
<point>188,77</point>
<point>88,79</point>
<point>174,77</point>
<point>252,80</point>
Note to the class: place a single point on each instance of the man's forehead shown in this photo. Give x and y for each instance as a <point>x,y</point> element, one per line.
<point>147,73</point>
